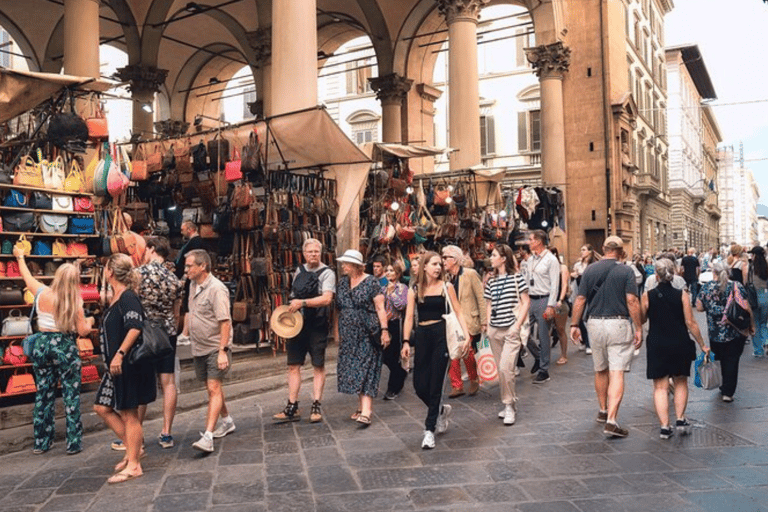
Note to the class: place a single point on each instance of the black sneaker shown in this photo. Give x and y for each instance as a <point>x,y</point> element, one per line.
<point>390,395</point>
<point>535,367</point>
<point>683,426</point>
<point>665,432</point>
<point>541,378</point>
<point>614,430</point>
<point>602,416</point>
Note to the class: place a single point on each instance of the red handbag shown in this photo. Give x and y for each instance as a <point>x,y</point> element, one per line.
<point>232,170</point>
<point>12,269</point>
<point>14,355</point>
<point>20,383</point>
<point>89,292</point>
<point>89,373</point>
<point>83,204</point>
<point>77,249</point>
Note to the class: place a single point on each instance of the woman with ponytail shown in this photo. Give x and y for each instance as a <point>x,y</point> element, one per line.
<point>125,386</point>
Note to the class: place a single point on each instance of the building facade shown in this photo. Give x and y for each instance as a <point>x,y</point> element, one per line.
<point>738,195</point>
<point>710,140</point>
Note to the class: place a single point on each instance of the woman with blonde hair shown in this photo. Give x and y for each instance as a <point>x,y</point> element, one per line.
<point>736,261</point>
<point>428,300</point>
<point>125,386</point>
<point>60,317</point>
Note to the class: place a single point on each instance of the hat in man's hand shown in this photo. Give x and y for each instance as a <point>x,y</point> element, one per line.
<point>286,324</point>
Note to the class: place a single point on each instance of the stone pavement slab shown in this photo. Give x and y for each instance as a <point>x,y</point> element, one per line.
<point>554,458</point>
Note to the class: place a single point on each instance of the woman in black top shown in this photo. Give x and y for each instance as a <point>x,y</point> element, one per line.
<point>670,349</point>
<point>431,361</point>
<point>124,387</point>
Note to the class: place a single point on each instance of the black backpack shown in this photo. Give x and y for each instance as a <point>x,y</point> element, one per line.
<point>306,285</point>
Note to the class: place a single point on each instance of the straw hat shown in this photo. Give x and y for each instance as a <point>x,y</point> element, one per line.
<point>286,324</point>
<point>351,256</point>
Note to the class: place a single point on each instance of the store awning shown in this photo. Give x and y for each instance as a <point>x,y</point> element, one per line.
<point>375,149</point>
<point>21,91</point>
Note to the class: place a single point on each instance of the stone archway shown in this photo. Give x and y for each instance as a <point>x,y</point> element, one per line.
<point>26,47</point>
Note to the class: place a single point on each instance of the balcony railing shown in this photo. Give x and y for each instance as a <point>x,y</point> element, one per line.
<point>648,183</point>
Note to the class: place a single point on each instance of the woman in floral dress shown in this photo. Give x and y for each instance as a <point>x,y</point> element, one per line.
<point>361,328</point>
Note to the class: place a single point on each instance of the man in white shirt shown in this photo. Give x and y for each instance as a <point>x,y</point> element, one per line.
<point>544,280</point>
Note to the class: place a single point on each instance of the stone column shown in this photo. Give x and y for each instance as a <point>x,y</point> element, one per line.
<point>261,42</point>
<point>464,100</point>
<point>143,82</point>
<point>390,91</point>
<point>550,62</point>
<point>81,38</point>
<point>294,56</point>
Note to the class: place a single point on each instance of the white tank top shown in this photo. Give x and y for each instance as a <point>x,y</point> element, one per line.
<point>45,321</point>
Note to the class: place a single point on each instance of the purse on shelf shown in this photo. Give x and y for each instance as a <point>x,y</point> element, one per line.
<point>24,244</point>
<point>53,172</point>
<point>16,324</point>
<point>42,248</point>
<point>40,201</point>
<point>2,269</point>
<point>19,222</point>
<point>59,248</point>
<point>15,199</point>
<point>28,173</point>
<point>51,223</point>
<point>83,205</point>
<point>12,269</point>
<point>14,355</point>
<point>75,180</point>
<point>77,249</point>
<point>85,346</point>
<point>7,247</point>
<point>10,296</point>
<point>81,226</point>
<point>20,383</point>
<point>62,203</point>
<point>89,373</point>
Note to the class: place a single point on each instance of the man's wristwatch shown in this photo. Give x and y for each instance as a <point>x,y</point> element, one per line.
<point>303,303</point>
<point>224,349</point>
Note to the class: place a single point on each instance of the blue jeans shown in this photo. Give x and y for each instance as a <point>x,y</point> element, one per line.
<point>760,339</point>
<point>694,289</point>
<point>538,306</point>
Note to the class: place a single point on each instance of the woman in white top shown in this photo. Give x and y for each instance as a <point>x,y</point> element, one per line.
<point>60,318</point>
<point>506,297</point>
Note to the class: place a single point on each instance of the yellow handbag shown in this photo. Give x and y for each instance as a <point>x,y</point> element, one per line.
<point>89,173</point>
<point>28,173</point>
<point>74,181</point>
<point>59,248</point>
<point>29,297</point>
<point>24,245</point>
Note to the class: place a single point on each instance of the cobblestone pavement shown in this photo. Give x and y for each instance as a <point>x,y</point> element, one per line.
<point>554,458</point>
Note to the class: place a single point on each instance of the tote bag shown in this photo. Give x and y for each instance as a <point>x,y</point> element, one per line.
<point>487,370</point>
<point>454,334</point>
<point>708,374</point>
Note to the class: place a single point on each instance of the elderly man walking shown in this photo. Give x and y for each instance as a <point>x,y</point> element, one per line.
<point>609,292</point>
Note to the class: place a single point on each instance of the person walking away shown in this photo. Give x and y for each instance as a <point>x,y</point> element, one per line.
<point>609,292</point>
<point>55,356</point>
<point>312,291</point>
<point>544,270</point>
<point>469,290</point>
<point>363,334</point>
<point>736,263</point>
<point>563,308</point>
<point>669,348</point>
<point>691,271</point>
<point>428,300</point>
<point>395,301</point>
<point>209,328</point>
<point>124,387</point>
<point>725,340</point>
<point>160,292</point>
<point>506,296</point>
<point>758,277</point>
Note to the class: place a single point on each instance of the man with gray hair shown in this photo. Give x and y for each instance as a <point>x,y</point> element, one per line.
<point>312,291</point>
<point>543,287</point>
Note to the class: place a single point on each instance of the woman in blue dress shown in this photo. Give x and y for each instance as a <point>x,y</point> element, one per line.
<point>361,328</point>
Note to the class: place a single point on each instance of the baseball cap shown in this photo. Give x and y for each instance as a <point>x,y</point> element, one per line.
<point>613,242</point>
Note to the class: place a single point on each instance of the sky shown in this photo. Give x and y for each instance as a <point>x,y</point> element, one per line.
<point>733,39</point>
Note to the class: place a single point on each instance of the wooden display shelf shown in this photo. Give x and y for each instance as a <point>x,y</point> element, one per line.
<point>54,235</point>
<point>55,212</point>
<point>20,306</point>
<point>51,257</point>
<point>44,190</point>
<point>11,366</point>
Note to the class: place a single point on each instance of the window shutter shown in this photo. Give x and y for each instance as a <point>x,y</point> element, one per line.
<point>522,132</point>
<point>490,135</point>
<point>483,136</point>
<point>520,41</point>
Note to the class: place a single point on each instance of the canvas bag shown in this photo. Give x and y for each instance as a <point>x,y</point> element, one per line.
<point>454,334</point>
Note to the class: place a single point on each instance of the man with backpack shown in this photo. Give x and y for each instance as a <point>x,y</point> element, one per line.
<point>312,291</point>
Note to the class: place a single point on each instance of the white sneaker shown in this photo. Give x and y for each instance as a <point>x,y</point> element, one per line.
<point>517,372</point>
<point>442,419</point>
<point>582,347</point>
<point>429,440</point>
<point>205,444</point>
<point>588,351</point>
<point>183,340</point>
<point>225,428</point>
<point>509,414</point>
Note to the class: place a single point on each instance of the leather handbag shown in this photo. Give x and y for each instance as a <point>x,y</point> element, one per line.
<point>441,196</point>
<point>10,296</point>
<point>42,248</point>
<point>200,157</point>
<point>89,174</point>
<point>153,344</point>
<point>139,212</point>
<point>16,324</point>
<point>78,249</point>
<point>20,222</point>
<point>7,247</point>
<point>50,268</point>
<point>118,180</point>
<point>83,204</point>
<point>29,297</point>
<point>59,248</point>
<point>53,172</point>
<point>2,269</point>
<point>75,180</point>
<point>155,160</point>
<point>20,383</point>
<point>62,203</point>
<point>206,231</point>
<point>96,122</point>
<point>232,169</point>
<point>15,199</point>
<point>85,347</point>
<point>14,355</point>
<point>90,292</point>
<point>101,173</point>
<point>218,149</point>
<point>50,223</point>
<point>139,165</point>
<point>12,270</point>
<point>89,373</point>
<point>81,226</point>
<point>28,173</point>
<point>40,201</point>
<point>183,162</point>
<point>23,244</point>
<point>5,175</point>
<point>126,241</point>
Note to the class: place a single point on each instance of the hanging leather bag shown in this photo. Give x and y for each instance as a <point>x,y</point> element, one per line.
<point>96,121</point>
<point>218,149</point>
<point>232,169</point>
<point>118,180</point>
<point>183,162</point>
<point>139,165</point>
<point>199,157</point>
<point>101,173</point>
<point>154,160</point>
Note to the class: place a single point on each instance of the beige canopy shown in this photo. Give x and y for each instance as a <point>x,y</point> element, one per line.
<point>374,150</point>
<point>23,90</point>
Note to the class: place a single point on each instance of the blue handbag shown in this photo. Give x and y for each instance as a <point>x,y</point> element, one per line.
<point>15,199</point>
<point>81,226</point>
<point>42,248</point>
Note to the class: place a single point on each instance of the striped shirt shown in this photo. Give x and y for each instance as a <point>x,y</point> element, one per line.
<point>503,294</point>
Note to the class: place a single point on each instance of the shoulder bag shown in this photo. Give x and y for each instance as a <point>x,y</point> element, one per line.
<point>118,180</point>
<point>40,201</point>
<point>75,181</point>
<point>20,222</point>
<point>96,122</point>
<point>14,355</point>
<point>15,199</point>
<point>101,173</point>
<point>62,203</point>
<point>139,165</point>
<point>232,169</point>
<point>454,334</point>
<point>24,244</point>
<point>736,312</point>
<point>28,173</point>
<point>153,344</point>
<point>751,290</point>
<point>83,204</point>
<point>50,223</point>
<point>16,324</point>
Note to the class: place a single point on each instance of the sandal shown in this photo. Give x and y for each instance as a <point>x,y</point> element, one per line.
<point>562,360</point>
<point>121,477</point>
<point>364,421</point>
<point>120,466</point>
<point>356,415</point>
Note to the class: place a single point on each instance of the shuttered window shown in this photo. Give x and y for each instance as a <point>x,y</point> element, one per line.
<point>487,136</point>
<point>529,131</point>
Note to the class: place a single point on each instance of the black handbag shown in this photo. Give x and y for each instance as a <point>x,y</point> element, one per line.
<point>19,222</point>
<point>214,154</point>
<point>10,296</point>
<point>736,314</point>
<point>244,334</point>
<point>200,157</point>
<point>153,344</point>
<point>41,201</point>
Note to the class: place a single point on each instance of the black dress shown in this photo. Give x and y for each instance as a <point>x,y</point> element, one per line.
<point>669,347</point>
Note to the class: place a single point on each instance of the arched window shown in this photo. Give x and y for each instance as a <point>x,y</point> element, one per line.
<point>238,93</point>
<point>364,126</point>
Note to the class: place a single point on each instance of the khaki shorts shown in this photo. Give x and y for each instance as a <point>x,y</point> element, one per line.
<point>611,343</point>
<point>207,367</point>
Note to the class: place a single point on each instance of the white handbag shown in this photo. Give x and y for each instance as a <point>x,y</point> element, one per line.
<point>50,223</point>
<point>62,203</point>
<point>525,329</point>
<point>16,324</point>
<point>54,174</point>
<point>454,334</point>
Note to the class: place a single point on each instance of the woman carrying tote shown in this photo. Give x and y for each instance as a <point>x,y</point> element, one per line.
<point>669,347</point>
<point>125,386</point>
<point>507,302</point>
<point>726,341</point>
<point>55,355</point>
<point>428,298</point>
